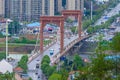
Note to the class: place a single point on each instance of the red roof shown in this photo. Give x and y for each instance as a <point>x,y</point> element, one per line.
<point>18,69</point>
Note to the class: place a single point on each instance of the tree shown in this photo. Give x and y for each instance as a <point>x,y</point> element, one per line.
<point>46,68</point>
<point>23,63</point>
<point>100,68</point>
<point>55,76</point>
<point>77,62</point>
<point>30,78</point>
<point>115,44</point>
<point>64,74</point>
<point>7,76</point>
<point>46,59</point>
<point>14,27</point>
<point>73,29</point>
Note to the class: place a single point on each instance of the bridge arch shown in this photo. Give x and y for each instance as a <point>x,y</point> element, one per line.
<point>77,14</point>
<point>59,20</point>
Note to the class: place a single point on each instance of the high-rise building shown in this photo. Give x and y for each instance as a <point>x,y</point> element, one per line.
<point>75,5</point>
<point>2,8</point>
<point>57,6</point>
<point>48,7</point>
<point>35,9</point>
<point>70,4</point>
<point>28,9</point>
<point>7,8</point>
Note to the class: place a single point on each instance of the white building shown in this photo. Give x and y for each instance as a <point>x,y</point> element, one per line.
<point>5,67</point>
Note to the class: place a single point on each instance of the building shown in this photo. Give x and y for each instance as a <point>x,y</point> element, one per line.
<point>34,9</point>
<point>28,9</point>
<point>75,5</point>
<point>48,7</point>
<point>15,9</point>
<point>2,9</point>
<point>5,67</point>
<point>7,8</point>
<point>57,6</point>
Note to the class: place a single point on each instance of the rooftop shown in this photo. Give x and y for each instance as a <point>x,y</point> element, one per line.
<point>35,24</point>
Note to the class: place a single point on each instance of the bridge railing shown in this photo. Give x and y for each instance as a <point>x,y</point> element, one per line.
<point>56,57</point>
<point>67,47</point>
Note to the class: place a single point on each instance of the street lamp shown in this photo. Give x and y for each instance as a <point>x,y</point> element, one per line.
<point>91,9</point>
<point>8,20</point>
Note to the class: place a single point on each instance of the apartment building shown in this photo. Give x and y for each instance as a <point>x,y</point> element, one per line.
<point>28,9</point>
<point>75,5</point>
<point>2,8</point>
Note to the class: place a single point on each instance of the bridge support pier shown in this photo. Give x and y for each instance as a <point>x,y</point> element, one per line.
<point>41,37</point>
<point>79,25</point>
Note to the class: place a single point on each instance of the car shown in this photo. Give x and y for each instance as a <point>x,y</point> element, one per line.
<point>36,73</point>
<point>37,65</point>
<point>51,51</point>
<point>38,76</point>
<point>38,60</point>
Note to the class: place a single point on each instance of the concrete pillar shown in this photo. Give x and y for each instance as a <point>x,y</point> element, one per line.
<point>41,37</point>
<point>62,36</point>
<point>79,25</point>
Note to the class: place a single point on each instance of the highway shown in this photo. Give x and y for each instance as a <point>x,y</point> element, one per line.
<point>113,12</point>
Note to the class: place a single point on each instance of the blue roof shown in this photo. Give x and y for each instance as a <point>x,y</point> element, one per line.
<point>114,57</point>
<point>35,24</point>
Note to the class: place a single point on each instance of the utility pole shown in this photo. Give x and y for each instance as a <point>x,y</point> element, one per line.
<point>91,9</point>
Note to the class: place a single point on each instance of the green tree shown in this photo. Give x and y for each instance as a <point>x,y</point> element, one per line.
<point>100,68</point>
<point>64,74</point>
<point>73,29</point>
<point>30,78</point>
<point>7,76</point>
<point>55,76</point>
<point>14,27</point>
<point>46,68</point>
<point>115,44</point>
<point>46,59</point>
<point>77,62</point>
<point>23,63</point>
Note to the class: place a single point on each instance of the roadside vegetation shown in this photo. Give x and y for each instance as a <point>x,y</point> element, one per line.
<point>93,29</point>
<point>46,68</point>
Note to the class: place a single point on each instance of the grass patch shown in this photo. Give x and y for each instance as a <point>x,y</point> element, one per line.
<point>47,42</point>
<point>22,44</point>
<point>11,45</point>
<point>27,41</point>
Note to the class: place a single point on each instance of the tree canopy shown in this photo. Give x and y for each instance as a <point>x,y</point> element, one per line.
<point>55,76</point>
<point>115,44</point>
<point>23,63</point>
